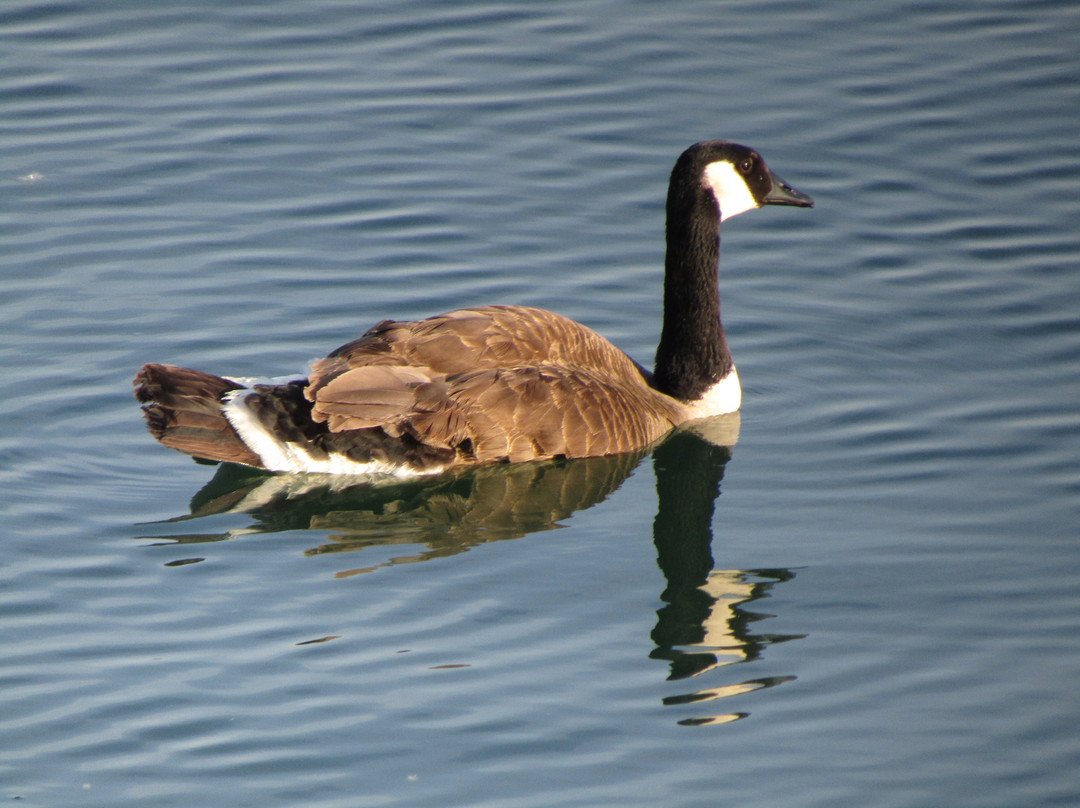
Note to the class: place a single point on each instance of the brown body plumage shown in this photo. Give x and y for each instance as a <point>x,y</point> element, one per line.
<point>485,384</point>
<point>492,383</point>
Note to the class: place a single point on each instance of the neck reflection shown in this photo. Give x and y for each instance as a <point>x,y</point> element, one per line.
<point>705,623</point>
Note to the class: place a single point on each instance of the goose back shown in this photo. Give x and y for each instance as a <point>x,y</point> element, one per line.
<point>475,338</point>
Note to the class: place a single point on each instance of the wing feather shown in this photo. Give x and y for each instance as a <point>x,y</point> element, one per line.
<point>514,414</point>
<point>495,383</point>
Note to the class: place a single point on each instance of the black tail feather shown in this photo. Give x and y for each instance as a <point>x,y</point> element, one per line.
<point>183,411</point>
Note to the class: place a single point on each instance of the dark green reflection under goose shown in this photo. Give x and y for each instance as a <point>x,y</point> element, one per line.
<point>705,623</point>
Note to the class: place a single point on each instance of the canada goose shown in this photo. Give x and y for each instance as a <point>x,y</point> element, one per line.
<point>491,383</point>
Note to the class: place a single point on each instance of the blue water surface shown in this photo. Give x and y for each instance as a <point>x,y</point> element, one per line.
<point>878,609</point>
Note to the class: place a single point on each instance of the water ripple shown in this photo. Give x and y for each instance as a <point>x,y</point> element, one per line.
<point>244,187</point>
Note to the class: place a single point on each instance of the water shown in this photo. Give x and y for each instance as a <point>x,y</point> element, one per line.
<point>879,608</point>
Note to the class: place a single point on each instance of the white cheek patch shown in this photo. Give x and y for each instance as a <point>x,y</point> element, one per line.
<point>730,189</point>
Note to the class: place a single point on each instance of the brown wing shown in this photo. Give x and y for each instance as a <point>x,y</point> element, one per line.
<point>477,338</point>
<point>492,383</point>
<point>520,413</point>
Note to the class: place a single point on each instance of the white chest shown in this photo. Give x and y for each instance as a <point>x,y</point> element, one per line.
<point>723,397</point>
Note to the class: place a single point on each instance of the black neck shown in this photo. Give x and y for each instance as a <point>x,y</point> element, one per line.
<point>693,353</point>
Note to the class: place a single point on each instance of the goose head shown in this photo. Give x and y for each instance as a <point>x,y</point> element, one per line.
<point>731,177</point>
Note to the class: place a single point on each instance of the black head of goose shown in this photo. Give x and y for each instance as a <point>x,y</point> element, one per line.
<point>491,383</point>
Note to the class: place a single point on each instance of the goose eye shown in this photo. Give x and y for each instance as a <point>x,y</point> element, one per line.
<point>746,166</point>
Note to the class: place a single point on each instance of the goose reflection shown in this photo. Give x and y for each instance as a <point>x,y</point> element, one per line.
<point>706,621</point>
<point>444,515</point>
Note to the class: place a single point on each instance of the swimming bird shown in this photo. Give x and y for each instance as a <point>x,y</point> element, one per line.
<point>490,383</point>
